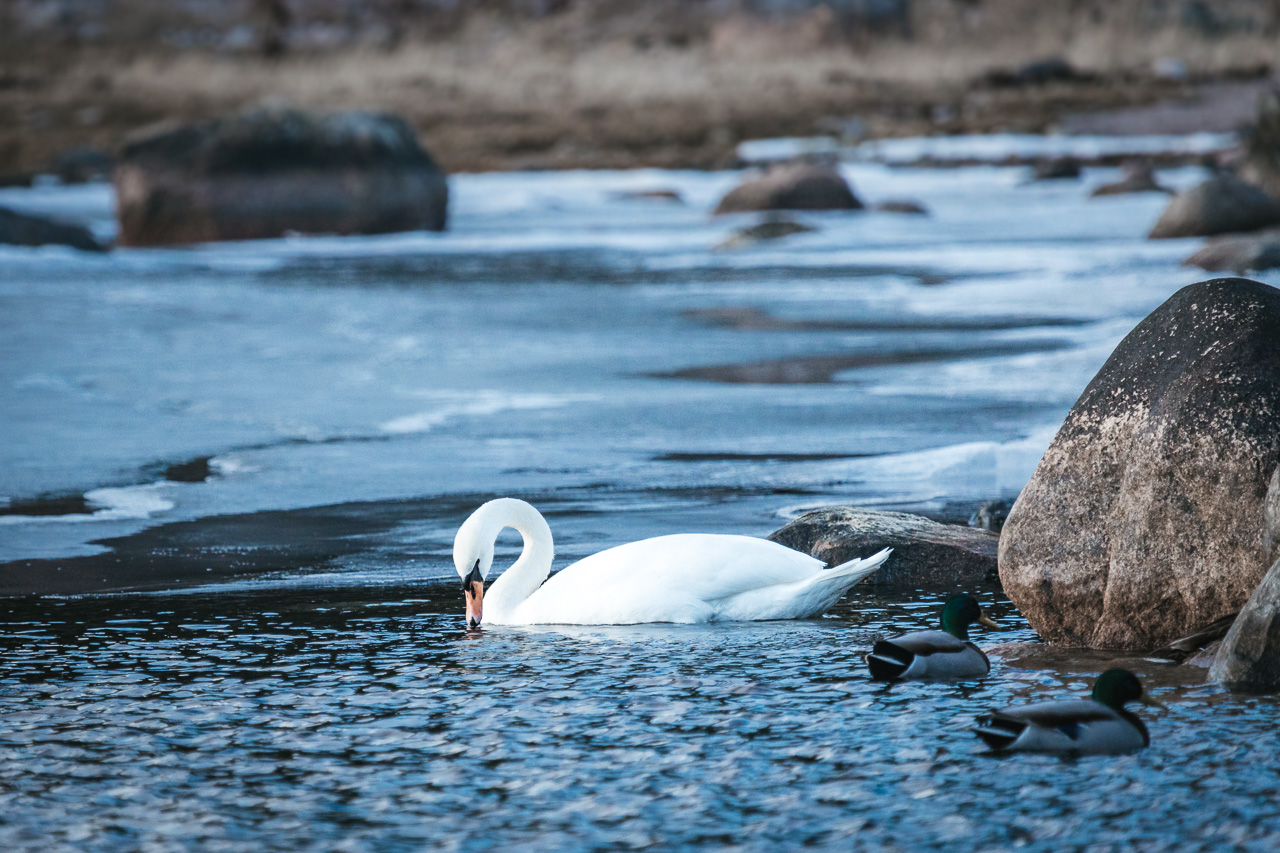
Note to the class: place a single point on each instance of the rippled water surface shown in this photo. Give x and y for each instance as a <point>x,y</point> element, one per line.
<point>234,473</point>
<point>310,719</point>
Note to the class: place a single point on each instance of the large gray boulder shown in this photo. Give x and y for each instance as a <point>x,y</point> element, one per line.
<point>20,229</point>
<point>926,554</point>
<point>1221,205</point>
<point>792,186</point>
<point>272,171</point>
<point>1144,520</point>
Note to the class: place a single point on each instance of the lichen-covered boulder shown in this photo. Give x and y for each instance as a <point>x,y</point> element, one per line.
<point>1221,205</point>
<point>1145,519</point>
<point>792,186</point>
<point>926,553</point>
<point>20,229</point>
<point>272,171</point>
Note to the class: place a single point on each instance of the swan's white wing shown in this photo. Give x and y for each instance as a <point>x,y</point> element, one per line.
<point>673,578</point>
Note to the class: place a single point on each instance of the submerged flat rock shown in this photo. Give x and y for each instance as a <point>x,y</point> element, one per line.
<point>926,553</point>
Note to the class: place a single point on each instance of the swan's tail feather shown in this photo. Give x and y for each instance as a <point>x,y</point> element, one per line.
<point>853,571</point>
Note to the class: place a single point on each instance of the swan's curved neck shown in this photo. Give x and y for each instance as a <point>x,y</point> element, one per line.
<point>534,565</point>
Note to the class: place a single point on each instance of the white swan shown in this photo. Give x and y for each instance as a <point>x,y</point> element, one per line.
<point>688,577</point>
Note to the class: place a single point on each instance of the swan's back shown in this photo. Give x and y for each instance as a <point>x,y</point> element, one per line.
<point>684,577</point>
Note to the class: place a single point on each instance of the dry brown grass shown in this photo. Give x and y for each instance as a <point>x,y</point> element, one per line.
<point>589,88</point>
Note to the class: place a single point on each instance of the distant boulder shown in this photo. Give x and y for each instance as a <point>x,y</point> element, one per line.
<point>82,165</point>
<point>1056,169</point>
<point>792,186</point>
<point>771,229</point>
<point>1052,69</point>
<point>1221,205</point>
<point>272,171</point>
<point>912,208</point>
<point>1261,161</point>
<point>926,553</point>
<point>1145,519</point>
<point>1137,178</point>
<point>666,195</point>
<point>1239,253</point>
<point>20,229</point>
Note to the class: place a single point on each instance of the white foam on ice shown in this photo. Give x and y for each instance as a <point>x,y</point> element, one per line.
<point>118,503</point>
<point>992,147</point>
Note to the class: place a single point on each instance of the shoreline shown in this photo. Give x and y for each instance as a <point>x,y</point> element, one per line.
<point>692,109</point>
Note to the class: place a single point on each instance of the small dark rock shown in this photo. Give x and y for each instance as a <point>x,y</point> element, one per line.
<point>1138,178</point>
<point>1050,70</point>
<point>650,195</point>
<point>771,229</point>
<point>991,515</point>
<point>902,206</point>
<point>82,165</point>
<point>793,186</point>
<point>1057,168</point>
<point>19,229</point>
<point>1221,205</point>
<point>926,554</point>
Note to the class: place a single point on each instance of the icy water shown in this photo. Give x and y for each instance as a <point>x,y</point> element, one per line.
<point>278,439</point>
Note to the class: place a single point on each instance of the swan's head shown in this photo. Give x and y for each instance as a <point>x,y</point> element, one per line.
<point>473,547</point>
<point>473,557</point>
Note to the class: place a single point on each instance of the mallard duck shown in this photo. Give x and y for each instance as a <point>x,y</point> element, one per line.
<point>1096,725</point>
<point>935,654</point>
<point>684,577</point>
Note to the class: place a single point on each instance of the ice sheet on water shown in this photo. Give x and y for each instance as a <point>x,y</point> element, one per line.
<point>993,147</point>
<point>529,350</point>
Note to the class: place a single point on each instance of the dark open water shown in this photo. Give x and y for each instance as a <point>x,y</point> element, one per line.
<point>357,720</point>
<point>289,432</point>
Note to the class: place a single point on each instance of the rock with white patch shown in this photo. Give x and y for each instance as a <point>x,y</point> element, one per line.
<point>1145,518</point>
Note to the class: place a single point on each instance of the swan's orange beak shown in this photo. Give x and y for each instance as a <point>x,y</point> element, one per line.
<point>474,593</point>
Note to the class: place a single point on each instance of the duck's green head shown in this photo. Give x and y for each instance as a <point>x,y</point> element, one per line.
<point>960,612</point>
<point>1115,687</point>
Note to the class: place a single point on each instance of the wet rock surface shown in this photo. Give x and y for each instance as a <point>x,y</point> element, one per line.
<point>1249,657</point>
<point>792,186</point>
<point>20,229</point>
<point>1145,518</point>
<point>269,172</point>
<point>926,554</point>
<point>1221,205</point>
